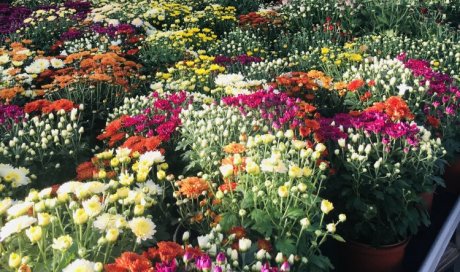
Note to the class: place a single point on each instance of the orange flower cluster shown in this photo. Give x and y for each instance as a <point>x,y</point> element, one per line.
<point>8,94</point>
<point>295,82</point>
<point>309,127</point>
<point>90,169</point>
<point>165,251</point>
<point>46,106</point>
<point>86,171</point>
<point>192,187</point>
<point>113,131</point>
<point>261,20</point>
<point>103,67</point>
<point>142,144</point>
<point>354,85</point>
<point>130,262</point>
<point>234,148</point>
<point>395,107</point>
<point>433,121</point>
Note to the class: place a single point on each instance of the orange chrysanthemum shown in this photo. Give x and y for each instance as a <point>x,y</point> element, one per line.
<point>264,244</point>
<point>395,107</point>
<point>234,148</point>
<point>166,251</point>
<point>192,187</point>
<point>142,144</point>
<point>61,104</point>
<point>86,171</point>
<point>36,106</point>
<point>355,85</point>
<point>239,232</point>
<point>131,262</point>
<point>433,121</point>
<point>398,109</point>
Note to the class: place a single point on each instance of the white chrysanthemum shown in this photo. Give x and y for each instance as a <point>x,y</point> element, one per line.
<point>19,209</point>
<point>17,176</point>
<point>143,228</point>
<point>57,63</point>
<point>228,79</point>
<point>106,221</point>
<point>80,265</point>
<point>69,187</point>
<point>4,59</point>
<point>5,204</point>
<point>123,152</point>
<point>95,187</point>
<point>16,226</point>
<point>62,243</point>
<point>137,22</point>
<point>33,69</point>
<point>152,157</point>
<point>45,193</point>
<point>113,22</point>
<point>92,207</point>
<point>153,188</point>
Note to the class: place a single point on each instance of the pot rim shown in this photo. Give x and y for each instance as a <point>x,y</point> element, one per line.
<point>398,244</point>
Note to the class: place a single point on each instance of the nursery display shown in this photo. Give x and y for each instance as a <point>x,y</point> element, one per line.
<point>217,135</point>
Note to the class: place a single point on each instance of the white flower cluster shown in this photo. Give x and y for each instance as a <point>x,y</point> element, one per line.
<point>131,106</point>
<point>41,64</point>
<point>43,139</point>
<point>268,69</point>
<point>207,128</point>
<point>371,160</point>
<point>391,78</point>
<point>443,55</point>
<point>88,42</point>
<point>239,42</point>
<point>235,84</point>
<point>114,13</point>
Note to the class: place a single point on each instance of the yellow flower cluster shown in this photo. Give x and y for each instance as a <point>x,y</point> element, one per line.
<point>70,217</point>
<point>191,75</point>
<point>191,38</point>
<point>337,55</point>
<point>50,15</point>
<point>213,14</point>
<point>167,14</point>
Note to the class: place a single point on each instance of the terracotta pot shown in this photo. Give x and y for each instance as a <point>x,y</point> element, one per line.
<point>452,176</point>
<point>359,257</point>
<point>427,199</point>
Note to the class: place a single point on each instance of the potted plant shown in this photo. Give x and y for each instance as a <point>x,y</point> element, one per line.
<point>382,165</point>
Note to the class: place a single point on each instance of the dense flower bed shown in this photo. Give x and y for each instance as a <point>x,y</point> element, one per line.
<point>220,135</point>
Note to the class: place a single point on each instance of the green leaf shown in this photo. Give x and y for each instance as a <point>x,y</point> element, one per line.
<point>286,246</point>
<point>262,223</point>
<point>248,200</point>
<point>228,220</point>
<point>338,238</point>
<point>295,213</point>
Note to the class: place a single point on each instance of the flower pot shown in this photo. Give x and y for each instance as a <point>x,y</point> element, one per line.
<point>359,257</point>
<point>427,199</point>
<point>452,176</point>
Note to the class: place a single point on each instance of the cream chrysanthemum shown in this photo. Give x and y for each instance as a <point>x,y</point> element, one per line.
<point>80,265</point>
<point>16,226</point>
<point>143,228</point>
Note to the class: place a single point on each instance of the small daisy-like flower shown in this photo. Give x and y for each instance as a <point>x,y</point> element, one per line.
<point>143,228</point>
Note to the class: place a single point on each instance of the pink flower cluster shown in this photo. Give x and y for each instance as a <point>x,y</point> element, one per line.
<point>445,96</point>
<point>162,118</point>
<point>375,123</point>
<point>280,109</point>
<point>241,59</point>
<point>9,115</point>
